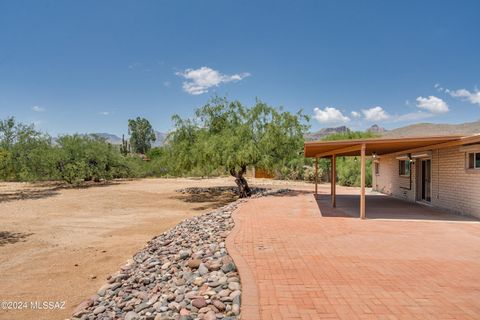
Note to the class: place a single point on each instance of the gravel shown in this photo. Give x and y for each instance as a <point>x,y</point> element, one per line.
<point>184,273</point>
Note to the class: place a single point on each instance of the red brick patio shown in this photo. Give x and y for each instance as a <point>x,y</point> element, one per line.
<point>296,264</point>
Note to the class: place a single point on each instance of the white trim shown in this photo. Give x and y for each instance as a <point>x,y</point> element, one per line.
<point>467,161</point>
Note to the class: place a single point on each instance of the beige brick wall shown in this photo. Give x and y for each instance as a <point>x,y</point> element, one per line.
<point>390,182</point>
<point>453,187</point>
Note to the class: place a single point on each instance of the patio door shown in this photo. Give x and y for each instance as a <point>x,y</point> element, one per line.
<point>426,180</point>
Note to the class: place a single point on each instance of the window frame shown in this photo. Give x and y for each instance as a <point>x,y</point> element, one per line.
<point>404,173</point>
<point>474,158</point>
<point>377,168</point>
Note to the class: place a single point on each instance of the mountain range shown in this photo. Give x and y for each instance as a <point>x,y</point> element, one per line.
<point>114,139</point>
<point>419,129</point>
<point>320,134</point>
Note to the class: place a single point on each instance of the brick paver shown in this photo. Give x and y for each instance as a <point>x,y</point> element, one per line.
<point>296,264</point>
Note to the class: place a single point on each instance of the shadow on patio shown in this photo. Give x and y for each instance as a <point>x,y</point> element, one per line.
<point>384,207</point>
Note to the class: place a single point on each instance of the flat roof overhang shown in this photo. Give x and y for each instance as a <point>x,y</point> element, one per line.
<point>380,146</point>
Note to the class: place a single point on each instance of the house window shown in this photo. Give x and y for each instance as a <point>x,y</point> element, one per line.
<point>474,160</point>
<point>377,168</point>
<point>404,167</point>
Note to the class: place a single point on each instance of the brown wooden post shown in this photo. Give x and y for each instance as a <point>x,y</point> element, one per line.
<point>316,178</point>
<point>331,175</point>
<point>362,183</point>
<point>334,181</point>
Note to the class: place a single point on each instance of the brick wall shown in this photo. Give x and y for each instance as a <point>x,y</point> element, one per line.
<point>453,187</point>
<point>390,182</point>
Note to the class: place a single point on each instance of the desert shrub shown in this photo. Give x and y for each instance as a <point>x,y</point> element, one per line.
<point>86,158</point>
<point>25,154</point>
<point>348,171</point>
<point>74,172</point>
<point>348,168</point>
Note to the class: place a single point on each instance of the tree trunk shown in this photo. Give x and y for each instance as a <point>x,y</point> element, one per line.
<point>243,189</point>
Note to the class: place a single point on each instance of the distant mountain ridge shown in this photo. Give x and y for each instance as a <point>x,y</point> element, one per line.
<point>322,133</point>
<point>419,129</point>
<point>111,138</point>
<point>434,129</point>
<point>414,130</point>
<point>376,129</point>
<point>114,139</point>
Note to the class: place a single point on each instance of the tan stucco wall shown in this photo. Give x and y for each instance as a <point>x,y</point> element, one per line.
<point>453,187</point>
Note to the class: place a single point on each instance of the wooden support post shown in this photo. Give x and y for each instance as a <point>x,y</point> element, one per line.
<point>334,181</point>
<point>331,177</point>
<point>316,178</point>
<point>362,182</point>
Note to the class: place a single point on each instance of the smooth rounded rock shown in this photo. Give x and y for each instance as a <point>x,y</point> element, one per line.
<point>194,263</point>
<point>199,303</point>
<point>131,315</point>
<point>99,309</point>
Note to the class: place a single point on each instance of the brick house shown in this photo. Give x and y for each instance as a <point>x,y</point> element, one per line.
<point>448,178</point>
<point>442,172</point>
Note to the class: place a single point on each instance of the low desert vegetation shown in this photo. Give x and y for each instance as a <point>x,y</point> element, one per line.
<point>348,168</point>
<point>223,137</point>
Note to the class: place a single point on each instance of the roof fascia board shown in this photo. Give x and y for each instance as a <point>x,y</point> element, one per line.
<point>460,142</point>
<point>339,151</point>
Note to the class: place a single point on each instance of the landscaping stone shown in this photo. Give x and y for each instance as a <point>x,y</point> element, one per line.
<point>184,273</point>
<point>99,309</point>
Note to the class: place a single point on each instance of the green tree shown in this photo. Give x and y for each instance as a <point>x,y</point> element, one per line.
<point>8,132</point>
<point>141,135</point>
<point>25,153</point>
<point>84,158</point>
<point>229,135</point>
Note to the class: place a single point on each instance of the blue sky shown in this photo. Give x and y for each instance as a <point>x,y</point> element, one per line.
<point>88,66</point>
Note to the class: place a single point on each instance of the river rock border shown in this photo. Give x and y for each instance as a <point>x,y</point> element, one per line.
<point>185,273</point>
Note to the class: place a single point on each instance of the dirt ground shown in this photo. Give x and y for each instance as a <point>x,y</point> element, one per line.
<point>59,245</point>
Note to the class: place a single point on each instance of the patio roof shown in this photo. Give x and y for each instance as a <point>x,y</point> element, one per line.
<point>366,147</point>
<point>379,146</point>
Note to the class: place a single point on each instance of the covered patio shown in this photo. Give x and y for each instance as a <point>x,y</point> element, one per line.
<point>380,206</point>
<point>407,148</point>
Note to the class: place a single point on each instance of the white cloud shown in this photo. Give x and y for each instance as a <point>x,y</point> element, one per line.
<point>38,109</point>
<point>166,83</point>
<point>472,97</point>
<point>202,79</point>
<point>329,115</point>
<point>105,113</point>
<point>355,114</point>
<point>432,104</point>
<point>375,114</point>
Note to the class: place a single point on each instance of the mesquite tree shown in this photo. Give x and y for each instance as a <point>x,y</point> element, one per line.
<point>231,136</point>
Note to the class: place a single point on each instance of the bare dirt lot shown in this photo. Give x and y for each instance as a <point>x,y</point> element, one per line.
<point>60,244</point>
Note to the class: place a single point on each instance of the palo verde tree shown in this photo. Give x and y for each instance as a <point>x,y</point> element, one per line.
<point>232,136</point>
<point>141,135</point>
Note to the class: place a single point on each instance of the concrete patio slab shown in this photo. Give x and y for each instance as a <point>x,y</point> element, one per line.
<point>380,206</point>
<point>295,263</point>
